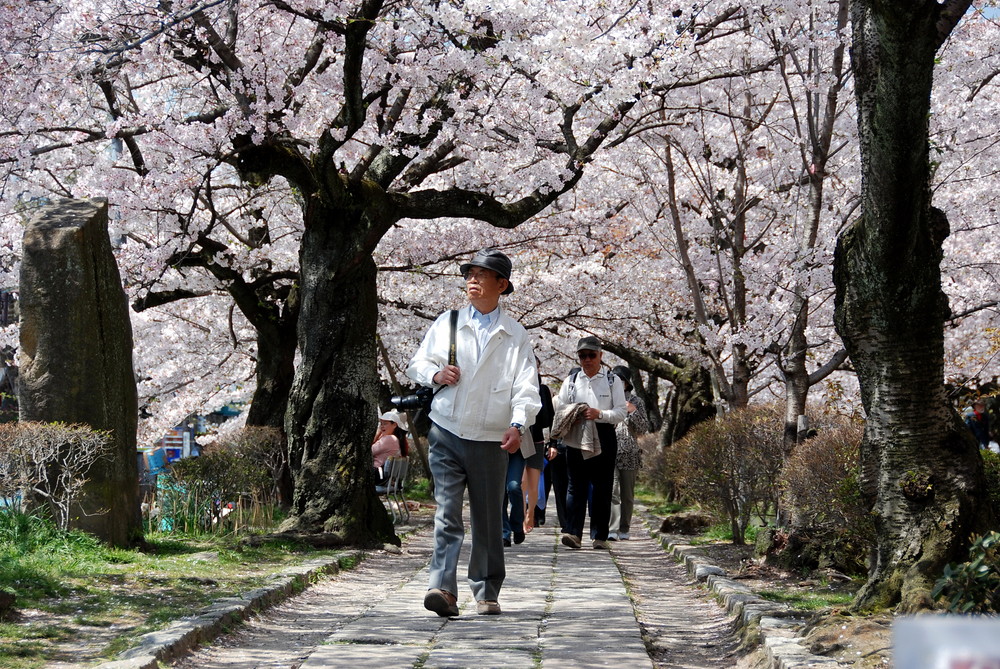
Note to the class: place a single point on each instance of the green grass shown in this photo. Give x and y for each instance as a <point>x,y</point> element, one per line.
<point>724,532</point>
<point>419,489</point>
<point>653,501</point>
<point>808,600</point>
<point>71,579</point>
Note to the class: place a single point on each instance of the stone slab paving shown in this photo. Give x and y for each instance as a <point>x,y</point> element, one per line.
<point>561,608</point>
<point>633,606</point>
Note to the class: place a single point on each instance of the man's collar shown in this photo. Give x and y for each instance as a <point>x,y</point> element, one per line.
<point>491,316</point>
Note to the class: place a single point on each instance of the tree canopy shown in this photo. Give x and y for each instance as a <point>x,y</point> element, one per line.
<point>290,178</point>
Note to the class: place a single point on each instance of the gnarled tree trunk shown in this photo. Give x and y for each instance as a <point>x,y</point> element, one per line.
<point>334,398</point>
<point>275,373</point>
<point>921,469</point>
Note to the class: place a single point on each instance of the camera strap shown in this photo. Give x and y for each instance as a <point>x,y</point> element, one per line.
<point>452,355</point>
<point>452,351</point>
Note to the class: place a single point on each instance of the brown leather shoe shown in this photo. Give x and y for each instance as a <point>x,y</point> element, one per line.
<point>441,602</point>
<point>485,607</point>
<point>571,540</point>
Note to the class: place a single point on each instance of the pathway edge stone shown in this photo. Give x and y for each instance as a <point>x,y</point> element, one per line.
<point>215,619</point>
<point>773,626</point>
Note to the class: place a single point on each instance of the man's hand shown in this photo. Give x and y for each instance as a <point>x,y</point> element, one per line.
<point>591,413</point>
<point>511,440</point>
<point>447,376</point>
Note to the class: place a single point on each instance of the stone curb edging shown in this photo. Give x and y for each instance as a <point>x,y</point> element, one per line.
<point>212,621</point>
<point>773,626</point>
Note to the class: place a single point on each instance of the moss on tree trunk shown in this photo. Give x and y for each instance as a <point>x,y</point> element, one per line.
<point>333,403</point>
<point>919,468</point>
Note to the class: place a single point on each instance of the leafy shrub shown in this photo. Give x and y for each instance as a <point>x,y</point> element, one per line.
<point>656,473</point>
<point>973,586</point>
<point>233,478</point>
<point>732,464</point>
<point>45,465</point>
<point>829,520</point>
<point>991,472</point>
<point>263,448</point>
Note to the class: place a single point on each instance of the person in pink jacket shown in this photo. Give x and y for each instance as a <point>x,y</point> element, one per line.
<point>390,440</point>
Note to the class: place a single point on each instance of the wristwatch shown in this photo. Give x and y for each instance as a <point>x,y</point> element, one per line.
<point>520,428</point>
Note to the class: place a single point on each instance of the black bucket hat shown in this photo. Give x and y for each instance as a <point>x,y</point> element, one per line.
<point>623,373</point>
<point>491,259</point>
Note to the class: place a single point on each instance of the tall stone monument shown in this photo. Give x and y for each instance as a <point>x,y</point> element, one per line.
<point>76,354</point>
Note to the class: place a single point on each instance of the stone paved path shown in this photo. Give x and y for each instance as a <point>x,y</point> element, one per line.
<point>562,609</point>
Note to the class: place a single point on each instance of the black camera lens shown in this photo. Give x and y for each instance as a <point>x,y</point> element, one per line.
<point>418,400</point>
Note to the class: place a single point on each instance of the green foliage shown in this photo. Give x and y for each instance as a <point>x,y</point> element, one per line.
<point>724,532</point>
<point>991,472</point>
<point>808,600</point>
<point>33,551</point>
<point>973,586</point>
<point>654,501</point>
<point>419,489</point>
<point>732,464</point>
<point>230,487</point>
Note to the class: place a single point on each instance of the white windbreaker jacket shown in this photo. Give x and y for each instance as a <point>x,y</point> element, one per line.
<point>500,389</point>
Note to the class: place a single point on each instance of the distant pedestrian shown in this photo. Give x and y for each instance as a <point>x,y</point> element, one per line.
<point>390,440</point>
<point>629,460</point>
<point>479,414</point>
<point>594,399</point>
<point>977,418</point>
<point>534,465</point>
<point>513,500</point>
<point>557,474</point>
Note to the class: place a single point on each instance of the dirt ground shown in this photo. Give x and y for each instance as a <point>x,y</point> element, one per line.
<point>863,642</point>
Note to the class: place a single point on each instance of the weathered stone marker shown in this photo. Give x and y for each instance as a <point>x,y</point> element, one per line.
<point>76,354</point>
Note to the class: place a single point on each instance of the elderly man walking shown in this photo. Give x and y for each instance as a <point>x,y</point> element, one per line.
<point>598,396</point>
<point>478,415</point>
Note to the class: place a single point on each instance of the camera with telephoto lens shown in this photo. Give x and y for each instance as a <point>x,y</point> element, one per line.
<point>418,400</point>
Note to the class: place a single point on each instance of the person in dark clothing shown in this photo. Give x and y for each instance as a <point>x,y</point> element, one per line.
<point>556,475</point>
<point>978,420</point>
<point>534,465</point>
<point>599,396</point>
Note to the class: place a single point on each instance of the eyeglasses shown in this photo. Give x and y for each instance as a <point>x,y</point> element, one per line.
<point>587,355</point>
<point>480,275</point>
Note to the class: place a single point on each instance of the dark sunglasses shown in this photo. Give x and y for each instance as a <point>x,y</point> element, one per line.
<point>587,355</point>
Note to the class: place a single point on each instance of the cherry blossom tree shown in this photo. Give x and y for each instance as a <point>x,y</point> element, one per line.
<point>213,124</point>
<point>919,464</point>
<point>258,154</point>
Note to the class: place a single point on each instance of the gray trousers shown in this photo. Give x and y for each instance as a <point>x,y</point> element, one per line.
<point>623,501</point>
<point>481,468</point>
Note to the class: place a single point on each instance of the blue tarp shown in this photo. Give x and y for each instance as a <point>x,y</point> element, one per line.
<point>157,461</point>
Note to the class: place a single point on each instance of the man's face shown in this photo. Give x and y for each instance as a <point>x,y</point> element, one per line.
<point>590,361</point>
<point>484,284</point>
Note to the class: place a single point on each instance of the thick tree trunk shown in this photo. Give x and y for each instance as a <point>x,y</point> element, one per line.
<point>334,399</point>
<point>690,402</point>
<point>921,469</point>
